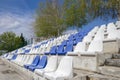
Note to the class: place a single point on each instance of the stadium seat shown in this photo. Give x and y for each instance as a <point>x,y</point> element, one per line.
<point>60,49</point>
<point>64,70</point>
<point>87,38</point>
<point>29,60</point>
<point>94,48</point>
<point>68,48</point>
<point>40,65</point>
<point>50,67</point>
<point>118,24</point>
<point>79,48</point>
<point>115,34</point>
<point>52,51</point>
<point>34,63</point>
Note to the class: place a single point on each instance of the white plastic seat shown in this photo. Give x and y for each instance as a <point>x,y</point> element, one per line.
<point>111,27</point>
<point>17,59</point>
<point>22,62</point>
<point>94,47</point>
<point>87,39</point>
<point>9,56</point>
<point>20,59</point>
<point>117,24</point>
<point>103,27</point>
<point>50,67</point>
<point>64,70</point>
<point>95,29</point>
<point>79,48</point>
<point>29,61</point>
<point>115,34</point>
<point>99,36</point>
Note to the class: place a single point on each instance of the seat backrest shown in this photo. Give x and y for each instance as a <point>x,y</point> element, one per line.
<point>53,50</point>
<point>99,36</point>
<point>17,58</point>
<point>14,57</point>
<point>36,60</point>
<point>78,40</point>
<point>43,61</point>
<point>68,48</point>
<point>118,23</point>
<point>30,60</point>
<point>27,51</point>
<point>95,46</point>
<point>64,42</point>
<point>60,49</point>
<point>87,39</point>
<point>114,34</point>
<point>102,27</point>
<point>52,63</point>
<point>66,65</point>
<point>80,47</point>
<point>111,27</point>
<point>26,59</point>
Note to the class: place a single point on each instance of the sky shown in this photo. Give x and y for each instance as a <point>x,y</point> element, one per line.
<point>18,16</point>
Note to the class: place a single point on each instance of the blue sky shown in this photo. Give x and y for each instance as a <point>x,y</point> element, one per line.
<point>18,16</point>
<point>21,5</point>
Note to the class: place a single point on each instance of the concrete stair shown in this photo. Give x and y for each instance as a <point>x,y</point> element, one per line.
<point>111,66</point>
<point>114,61</point>
<point>86,75</point>
<point>110,70</point>
<point>101,77</point>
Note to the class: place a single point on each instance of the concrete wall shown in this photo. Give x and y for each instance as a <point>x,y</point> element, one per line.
<point>111,46</point>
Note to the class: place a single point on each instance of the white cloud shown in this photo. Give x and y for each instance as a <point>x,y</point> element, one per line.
<point>17,23</point>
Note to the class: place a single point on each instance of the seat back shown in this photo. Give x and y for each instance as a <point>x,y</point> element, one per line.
<point>60,49</point>
<point>87,39</point>
<point>68,48</point>
<point>36,60</point>
<point>43,61</point>
<point>78,39</point>
<point>99,36</point>
<point>114,34</point>
<point>26,59</point>
<point>66,66</point>
<point>118,23</point>
<point>64,42</point>
<point>14,57</point>
<point>80,47</point>
<point>52,63</point>
<point>95,46</point>
<point>53,50</point>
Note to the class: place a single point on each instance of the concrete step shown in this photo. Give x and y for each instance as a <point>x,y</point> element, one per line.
<point>111,71</point>
<point>101,77</point>
<point>112,62</point>
<point>86,75</point>
<point>116,56</point>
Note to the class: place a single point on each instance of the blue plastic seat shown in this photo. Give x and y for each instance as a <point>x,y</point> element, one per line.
<point>68,48</point>
<point>14,57</point>
<point>27,51</point>
<point>72,37</point>
<point>78,39</point>
<point>64,42</point>
<point>77,35</point>
<point>60,49</point>
<point>16,51</point>
<point>34,63</point>
<point>52,51</point>
<point>42,63</point>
